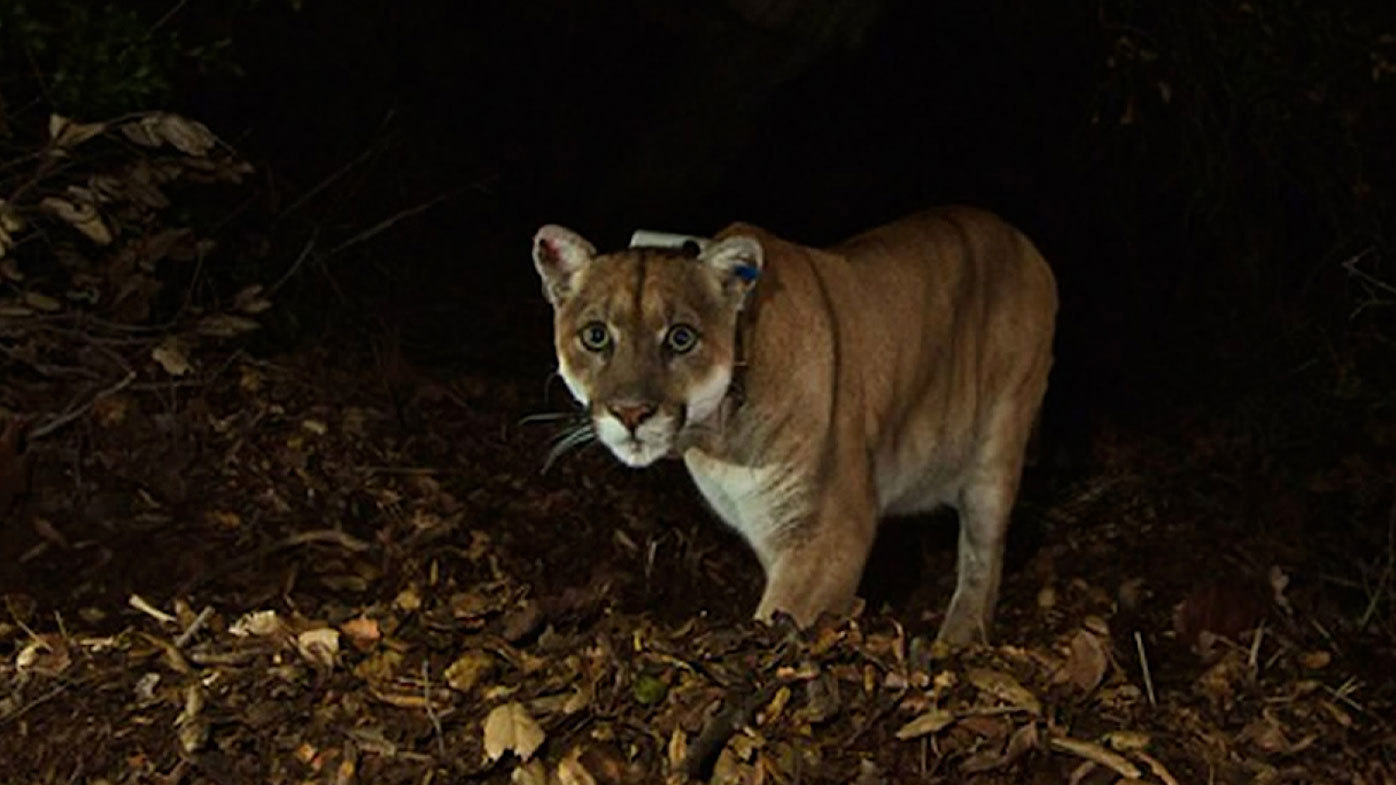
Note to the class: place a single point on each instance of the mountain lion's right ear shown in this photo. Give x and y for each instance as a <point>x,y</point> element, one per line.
<point>558,254</point>
<point>738,261</point>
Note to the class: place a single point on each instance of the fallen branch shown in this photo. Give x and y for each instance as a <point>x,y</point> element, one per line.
<point>720,728</point>
<point>64,419</point>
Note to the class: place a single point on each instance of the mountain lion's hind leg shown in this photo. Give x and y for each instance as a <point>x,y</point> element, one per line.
<point>985,503</point>
<point>984,510</point>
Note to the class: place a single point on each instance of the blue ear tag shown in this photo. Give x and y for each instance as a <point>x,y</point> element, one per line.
<point>746,272</point>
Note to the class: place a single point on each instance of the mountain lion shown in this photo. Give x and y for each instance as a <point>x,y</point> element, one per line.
<point>810,391</point>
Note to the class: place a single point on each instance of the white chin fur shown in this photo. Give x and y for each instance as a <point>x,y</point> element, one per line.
<point>707,395</point>
<point>651,441</point>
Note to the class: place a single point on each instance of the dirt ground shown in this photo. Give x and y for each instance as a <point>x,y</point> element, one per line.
<point>309,569</point>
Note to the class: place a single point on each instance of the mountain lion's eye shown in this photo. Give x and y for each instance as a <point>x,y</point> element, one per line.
<point>595,337</point>
<point>681,338</point>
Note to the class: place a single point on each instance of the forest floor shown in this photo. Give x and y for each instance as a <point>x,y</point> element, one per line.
<point>294,571</point>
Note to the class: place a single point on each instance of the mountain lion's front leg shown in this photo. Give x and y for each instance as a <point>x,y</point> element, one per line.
<point>817,565</point>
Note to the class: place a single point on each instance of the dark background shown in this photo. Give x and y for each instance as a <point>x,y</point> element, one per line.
<point>1197,173</point>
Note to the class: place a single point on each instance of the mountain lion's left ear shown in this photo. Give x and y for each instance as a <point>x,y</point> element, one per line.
<point>737,260</point>
<point>558,254</point>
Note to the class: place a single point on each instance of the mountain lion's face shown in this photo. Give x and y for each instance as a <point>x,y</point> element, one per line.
<point>644,337</point>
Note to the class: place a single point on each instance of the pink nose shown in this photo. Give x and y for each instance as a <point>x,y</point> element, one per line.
<point>632,414</point>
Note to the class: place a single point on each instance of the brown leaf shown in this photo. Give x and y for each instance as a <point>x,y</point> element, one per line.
<point>1094,753</point>
<point>510,728</point>
<point>226,325</point>
<point>531,773</point>
<point>65,133</point>
<point>930,722</point>
<point>1085,666</point>
<point>1315,660</point>
<point>171,356</point>
<point>47,654</point>
<point>319,645</point>
<point>363,632</point>
<point>522,621</point>
<point>1023,740</point>
<point>1005,688</point>
<point>42,302</point>
<point>81,216</point>
<point>469,669</point>
<point>157,128</point>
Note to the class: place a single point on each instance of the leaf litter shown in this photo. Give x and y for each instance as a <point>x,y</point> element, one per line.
<point>437,645</point>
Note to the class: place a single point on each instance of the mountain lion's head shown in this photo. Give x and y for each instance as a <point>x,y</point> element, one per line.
<point>645,336</point>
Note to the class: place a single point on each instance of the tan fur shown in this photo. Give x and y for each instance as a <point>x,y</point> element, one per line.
<point>896,372</point>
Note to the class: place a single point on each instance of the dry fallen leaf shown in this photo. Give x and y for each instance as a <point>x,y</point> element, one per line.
<point>258,623</point>
<point>930,722</point>
<point>157,128</point>
<point>468,669</point>
<point>1315,660</point>
<point>42,302</point>
<point>1085,666</point>
<point>677,750</point>
<point>363,632</point>
<point>46,654</point>
<point>510,728</point>
<point>171,356</point>
<point>1096,754</point>
<point>571,771</point>
<point>250,300</point>
<point>1127,740</point>
<point>531,773</point>
<point>380,666</point>
<point>65,133</point>
<point>81,216</point>
<point>225,325</point>
<point>1005,688</point>
<point>190,726</point>
<point>408,600</point>
<point>188,136</point>
<point>319,645</point>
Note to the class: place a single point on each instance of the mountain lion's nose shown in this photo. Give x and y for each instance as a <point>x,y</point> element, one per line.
<point>632,414</point>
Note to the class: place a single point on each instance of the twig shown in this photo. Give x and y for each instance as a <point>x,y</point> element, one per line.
<point>194,627</point>
<point>167,16</point>
<point>328,536</point>
<point>139,603</point>
<point>63,419</point>
<point>1160,770</point>
<point>1375,594</point>
<point>1144,668</point>
<point>1254,659</point>
<point>296,265</point>
<point>335,175</point>
<point>331,536</point>
<point>431,709</point>
<point>1343,692</point>
<point>388,223</point>
<point>46,697</point>
<point>720,728</point>
<point>1351,266</point>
